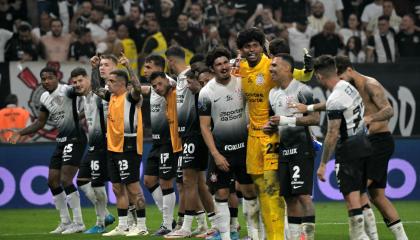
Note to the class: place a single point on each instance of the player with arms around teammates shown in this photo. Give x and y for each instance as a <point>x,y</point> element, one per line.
<point>297,156</point>
<point>58,103</point>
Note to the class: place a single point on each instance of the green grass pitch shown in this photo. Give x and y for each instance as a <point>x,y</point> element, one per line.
<point>331,222</point>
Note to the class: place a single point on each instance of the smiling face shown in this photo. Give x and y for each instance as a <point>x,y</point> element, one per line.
<point>279,70</point>
<point>221,68</point>
<point>252,51</point>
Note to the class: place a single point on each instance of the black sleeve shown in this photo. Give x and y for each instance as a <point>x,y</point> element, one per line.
<point>150,45</point>
<point>131,99</point>
<point>371,41</point>
<point>43,109</point>
<point>334,114</point>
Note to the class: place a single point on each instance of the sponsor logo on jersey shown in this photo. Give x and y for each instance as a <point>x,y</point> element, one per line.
<point>260,79</point>
<point>291,151</point>
<point>234,147</point>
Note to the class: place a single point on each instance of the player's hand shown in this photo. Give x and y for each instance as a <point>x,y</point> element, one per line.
<point>15,138</point>
<point>221,162</point>
<point>300,107</point>
<point>368,120</point>
<point>124,60</point>
<point>94,61</point>
<point>269,128</point>
<point>321,172</point>
<point>308,61</point>
<point>274,120</point>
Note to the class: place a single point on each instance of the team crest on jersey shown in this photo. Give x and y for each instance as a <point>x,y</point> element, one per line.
<point>213,177</point>
<point>58,100</point>
<point>260,79</point>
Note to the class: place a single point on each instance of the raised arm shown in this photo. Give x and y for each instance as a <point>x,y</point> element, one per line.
<point>38,124</point>
<point>302,108</point>
<point>136,90</point>
<point>96,79</point>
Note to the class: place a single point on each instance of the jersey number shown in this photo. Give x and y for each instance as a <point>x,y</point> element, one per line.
<point>164,157</point>
<point>273,148</point>
<point>123,165</point>
<point>296,171</point>
<point>189,148</point>
<point>356,121</point>
<point>68,148</point>
<point>94,165</point>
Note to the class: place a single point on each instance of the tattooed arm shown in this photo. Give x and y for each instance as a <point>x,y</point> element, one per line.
<point>377,94</point>
<point>329,145</point>
<point>136,90</point>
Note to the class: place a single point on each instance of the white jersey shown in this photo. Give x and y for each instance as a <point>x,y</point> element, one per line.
<point>94,111</point>
<point>188,122</point>
<point>225,105</point>
<point>61,106</point>
<point>297,137</point>
<point>345,103</point>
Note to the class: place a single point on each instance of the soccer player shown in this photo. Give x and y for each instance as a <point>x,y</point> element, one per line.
<point>58,103</point>
<point>93,169</point>
<point>125,145</point>
<point>221,102</point>
<point>162,160</point>
<point>345,135</point>
<point>195,152</point>
<point>378,111</point>
<point>262,156</point>
<point>296,163</point>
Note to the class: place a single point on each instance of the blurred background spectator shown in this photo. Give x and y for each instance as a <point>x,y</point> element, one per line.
<point>22,47</point>
<point>382,45</point>
<point>12,118</point>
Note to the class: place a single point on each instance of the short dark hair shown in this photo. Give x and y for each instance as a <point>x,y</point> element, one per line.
<point>48,70</point>
<point>175,51</point>
<point>288,58</point>
<point>216,53</point>
<point>11,99</point>
<point>111,57</point>
<point>325,65</point>
<point>342,62</point>
<point>121,74</point>
<point>56,20</point>
<point>198,57</point>
<point>155,75</point>
<point>79,71</point>
<point>249,35</point>
<point>197,69</point>
<point>24,27</point>
<point>80,32</point>
<point>157,60</point>
<point>383,17</point>
<point>278,45</point>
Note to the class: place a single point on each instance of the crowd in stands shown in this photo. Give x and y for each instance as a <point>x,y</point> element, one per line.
<point>381,31</point>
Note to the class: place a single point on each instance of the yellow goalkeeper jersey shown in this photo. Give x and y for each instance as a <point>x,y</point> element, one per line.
<point>256,84</point>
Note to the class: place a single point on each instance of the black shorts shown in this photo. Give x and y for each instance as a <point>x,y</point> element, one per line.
<point>219,179</point>
<point>377,167</point>
<point>67,153</point>
<point>350,164</point>
<point>94,166</point>
<point>124,167</point>
<point>194,153</point>
<point>162,162</point>
<point>296,176</point>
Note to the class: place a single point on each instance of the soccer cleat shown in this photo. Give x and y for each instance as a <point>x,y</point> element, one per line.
<point>162,231</point>
<point>214,236</point>
<point>117,231</point>
<point>181,233</point>
<point>207,233</point>
<point>200,231</point>
<point>234,235</point>
<point>173,224</point>
<point>95,229</point>
<point>136,231</point>
<point>75,228</point>
<point>109,219</point>
<point>61,228</point>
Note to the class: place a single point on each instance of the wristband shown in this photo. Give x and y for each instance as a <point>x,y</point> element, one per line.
<point>289,121</point>
<point>310,108</point>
